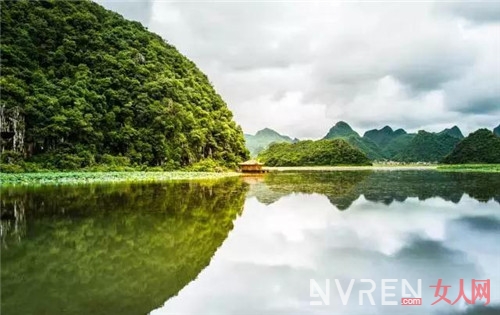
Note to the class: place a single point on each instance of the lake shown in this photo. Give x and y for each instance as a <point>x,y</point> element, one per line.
<point>252,245</point>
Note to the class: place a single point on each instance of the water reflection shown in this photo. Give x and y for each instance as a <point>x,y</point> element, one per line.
<point>442,226</point>
<point>343,188</point>
<point>119,249</point>
<point>247,246</point>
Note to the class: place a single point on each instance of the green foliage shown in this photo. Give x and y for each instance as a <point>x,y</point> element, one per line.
<point>10,157</point>
<point>93,85</point>
<point>481,146</point>
<point>102,174</point>
<point>321,152</point>
<point>11,168</point>
<point>427,147</point>
<point>208,165</point>
<point>262,139</point>
<point>115,160</point>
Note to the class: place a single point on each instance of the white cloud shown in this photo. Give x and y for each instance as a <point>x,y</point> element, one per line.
<point>298,67</point>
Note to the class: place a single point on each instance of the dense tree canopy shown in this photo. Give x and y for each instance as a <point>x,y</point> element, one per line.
<point>481,146</point>
<point>427,146</point>
<point>95,88</point>
<point>321,152</point>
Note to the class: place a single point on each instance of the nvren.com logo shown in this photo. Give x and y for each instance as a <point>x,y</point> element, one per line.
<point>410,294</point>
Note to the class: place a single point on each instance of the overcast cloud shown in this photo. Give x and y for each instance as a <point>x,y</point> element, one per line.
<point>299,67</point>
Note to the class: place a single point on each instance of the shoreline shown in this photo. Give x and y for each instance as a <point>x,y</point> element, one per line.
<point>86,177</point>
<point>353,168</point>
<point>79,177</point>
<point>479,168</point>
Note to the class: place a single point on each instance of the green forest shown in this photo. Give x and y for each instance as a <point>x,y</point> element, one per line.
<point>82,86</point>
<point>428,147</point>
<point>321,152</point>
<point>398,145</point>
<point>481,146</point>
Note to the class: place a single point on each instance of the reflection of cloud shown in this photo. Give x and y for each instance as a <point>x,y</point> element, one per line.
<point>483,223</point>
<point>265,265</point>
<point>425,249</point>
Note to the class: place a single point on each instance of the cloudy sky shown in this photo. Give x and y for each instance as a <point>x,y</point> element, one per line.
<point>300,66</point>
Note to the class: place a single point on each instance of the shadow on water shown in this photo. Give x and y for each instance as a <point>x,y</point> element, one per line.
<point>110,249</point>
<point>343,188</point>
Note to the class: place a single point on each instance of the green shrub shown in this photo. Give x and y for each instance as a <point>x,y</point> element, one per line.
<point>11,157</point>
<point>10,168</point>
<point>207,165</point>
<point>108,159</point>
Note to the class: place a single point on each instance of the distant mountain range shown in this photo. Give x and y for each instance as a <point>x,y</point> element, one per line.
<point>263,138</point>
<point>388,144</point>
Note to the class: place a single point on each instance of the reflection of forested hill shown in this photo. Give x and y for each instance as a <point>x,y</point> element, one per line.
<point>121,249</point>
<point>342,188</point>
<point>339,187</point>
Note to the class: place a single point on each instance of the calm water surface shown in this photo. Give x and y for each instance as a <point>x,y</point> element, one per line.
<point>251,245</point>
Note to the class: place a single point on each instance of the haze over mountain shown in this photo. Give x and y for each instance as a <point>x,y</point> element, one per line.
<point>497,130</point>
<point>263,138</point>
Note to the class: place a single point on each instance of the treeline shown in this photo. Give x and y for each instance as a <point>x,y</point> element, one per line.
<point>83,86</point>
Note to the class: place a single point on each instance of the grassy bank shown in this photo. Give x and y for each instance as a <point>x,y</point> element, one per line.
<point>58,178</point>
<point>482,168</point>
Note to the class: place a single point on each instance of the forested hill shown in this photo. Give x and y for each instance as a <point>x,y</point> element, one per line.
<point>263,138</point>
<point>481,146</point>
<point>86,86</point>
<point>313,153</point>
